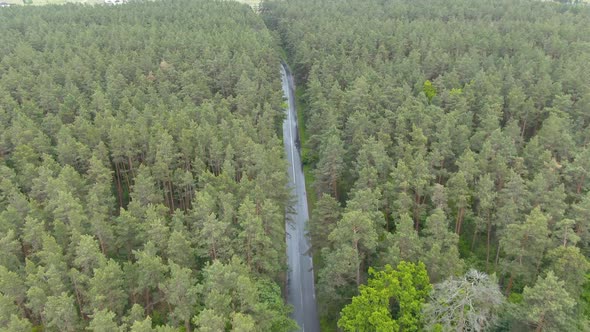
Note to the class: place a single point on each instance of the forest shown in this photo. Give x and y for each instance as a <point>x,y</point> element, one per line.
<point>142,179</point>
<point>449,136</point>
<point>143,182</point>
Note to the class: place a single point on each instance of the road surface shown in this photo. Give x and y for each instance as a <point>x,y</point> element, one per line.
<point>300,282</point>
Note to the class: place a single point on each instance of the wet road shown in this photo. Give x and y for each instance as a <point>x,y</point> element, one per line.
<point>300,284</point>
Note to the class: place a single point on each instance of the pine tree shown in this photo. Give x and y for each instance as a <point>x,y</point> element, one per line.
<point>103,321</point>
<point>441,254</point>
<point>330,167</point>
<point>323,221</point>
<point>107,288</point>
<point>405,244</point>
<point>524,245</point>
<point>547,305</point>
<point>60,313</point>
<point>181,293</point>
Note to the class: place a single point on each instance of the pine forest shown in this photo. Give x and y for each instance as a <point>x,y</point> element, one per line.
<point>145,184</point>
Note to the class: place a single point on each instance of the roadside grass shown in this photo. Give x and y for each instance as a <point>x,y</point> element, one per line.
<point>283,54</point>
<point>326,324</point>
<point>307,169</point>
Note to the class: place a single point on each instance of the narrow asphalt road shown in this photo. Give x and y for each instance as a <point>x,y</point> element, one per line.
<point>300,282</point>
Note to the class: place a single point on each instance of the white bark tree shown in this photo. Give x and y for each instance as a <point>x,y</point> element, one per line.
<point>467,303</point>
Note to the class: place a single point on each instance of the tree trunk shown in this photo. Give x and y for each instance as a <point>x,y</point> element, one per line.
<point>187,325</point>
<point>541,323</point>
<point>249,255</point>
<point>474,237</point>
<point>497,256</point>
<point>461,322</point>
<point>335,188</point>
<point>580,184</point>
<point>416,219</point>
<point>187,198</point>
<point>131,166</point>
<point>509,287</point>
<point>523,128</point>
<point>459,221</point>
<point>442,166</point>
<point>358,265</point>
<point>171,196</point>
<point>387,216</point>
<point>78,299</point>
<point>181,196</point>
<point>165,190</point>
<point>102,244</point>
<point>25,249</point>
<point>146,298</point>
<point>126,177</point>
<point>119,188</point>
<point>488,245</point>
<point>213,251</point>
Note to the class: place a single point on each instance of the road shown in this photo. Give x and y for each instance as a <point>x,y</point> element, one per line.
<point>300,282</point>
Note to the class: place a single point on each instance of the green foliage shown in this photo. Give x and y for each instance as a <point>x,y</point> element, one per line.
<point>455,92</point>
<point>547,305</point>
<point>140,162</point>
<point>232,297</point>
<point>131,157</point>
<point>429,90</point>
<point>407,287</point>
<point>441,255</point>
<point>585,297</point>
<point>103,321</point>
<point>524,245</point>
<point>490,139</point>
<point>323,221</point>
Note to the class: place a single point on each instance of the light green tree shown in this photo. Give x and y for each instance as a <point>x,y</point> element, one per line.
<point>407,287</point>
<point>429,90</point>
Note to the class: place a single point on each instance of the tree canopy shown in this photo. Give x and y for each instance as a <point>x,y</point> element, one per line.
<point>143,182</point>
<point>465,122</point>
<point>141,171</point>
